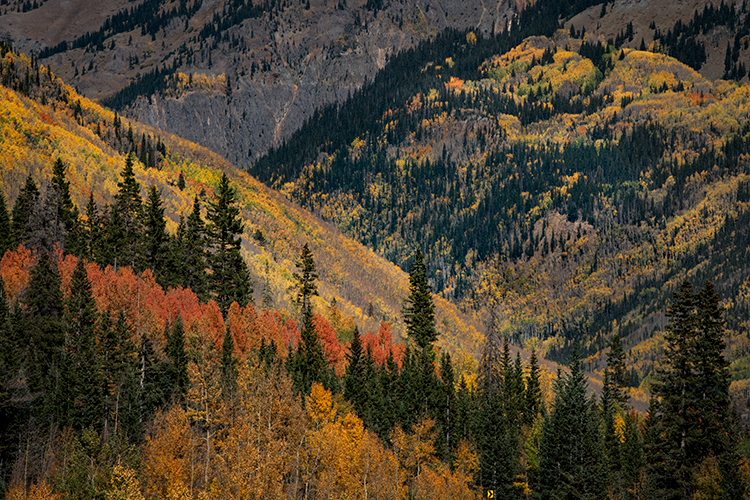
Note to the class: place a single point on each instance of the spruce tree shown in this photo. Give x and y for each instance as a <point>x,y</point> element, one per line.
<point>44,329</point>
<point>125,227</point>
<point>193,253</point>
<point>572,464</point>
<point>230,281</point>
<point>6,229</point>
<point>305,278</point>
<point>155,237</point>
<point>67,210</point>
<point>309,362</point>
<point>354,376</point>
<point>693,405</point>
<point>617,372</point>
<point>419,309</point>
<point>22,210</point>
<point>533,404</point>
<point>177,372</point>
<point>83,371</point>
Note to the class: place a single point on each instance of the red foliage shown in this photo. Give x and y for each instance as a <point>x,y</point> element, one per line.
<point>332,348</point>
<point>15,268</point>
<point>382,344</point>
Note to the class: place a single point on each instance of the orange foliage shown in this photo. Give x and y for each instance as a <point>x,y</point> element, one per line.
<point>15,268</point>
<point>382,344</point>
<point>332,348</point>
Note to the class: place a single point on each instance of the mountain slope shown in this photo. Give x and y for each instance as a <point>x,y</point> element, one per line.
<point>565,184</point>
<point>269,64</point>
<point>91,141</point>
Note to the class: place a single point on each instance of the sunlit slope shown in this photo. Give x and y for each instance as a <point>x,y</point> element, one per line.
<point>40,122</point>
<point>568,185</point>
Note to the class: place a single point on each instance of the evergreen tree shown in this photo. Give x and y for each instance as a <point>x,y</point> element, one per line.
<point>419,309</point>
<point>177,354</point>
<point>67,210</point>
<point>309,364</point>
<point>6,229</point>
<point>193,253</point>
<point>618,375</point>
<point>22,209</point>
<point>354,377</point>
<point>125,226</point>
<point>693,405</point>
<point>155,237</point>
<point>446,393</point>
<point>118,360</point>
<point>230,281</point>
<point>44,328</point>
<point>83,372</point>
<point>533,393</point>
<point>305,278</point>
<point>571,454</point>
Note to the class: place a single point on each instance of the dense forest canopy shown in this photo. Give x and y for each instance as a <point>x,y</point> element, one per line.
<point>170,328</point>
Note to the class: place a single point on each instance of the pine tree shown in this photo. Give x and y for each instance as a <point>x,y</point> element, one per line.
<point>44,329</point>
<point>533,393</point>
<point>67,210</point>
<point>354,377</point>
<point>305,278</point>
<point>155,237</point>
<point>6,229</point>
<point>693,405</point>
<point>230,281</point>
<point>178,367</point>
<point>309,364</point>
<point>83,372</point>
<point>419,309</point>
<point>125,227</point>
<point>193,253</point>
<point>571,454</point>
<point>22,209</point>
<point>617,372</point>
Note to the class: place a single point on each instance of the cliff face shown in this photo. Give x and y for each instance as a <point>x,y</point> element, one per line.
<point>321,60</point>
<point>250,72</point>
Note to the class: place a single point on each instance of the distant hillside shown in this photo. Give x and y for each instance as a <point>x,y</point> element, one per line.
<point>43,119</point>
<point>237,76</point>
<point>566,184</point>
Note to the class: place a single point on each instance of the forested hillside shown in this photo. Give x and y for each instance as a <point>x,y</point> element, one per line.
<point>171,328</point>
<point>565,184</point>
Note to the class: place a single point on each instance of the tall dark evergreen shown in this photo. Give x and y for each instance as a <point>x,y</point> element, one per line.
<point>44,329</point>
<point>193,253</point>
<point>305,278</point>
<point>6,228</point>
<point>419,309</point>
<point>67,210</point>
<point>125,225</point>
<point>692,408</point>
<point>22,210</point>
<point>176,352</point>
<point>533,403</point>
<point>155,237</point>
<point>572,464</point>
<point>354,378</point>
<point>119,362</point>
<point>83,373</point>
<point>230,280</point>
